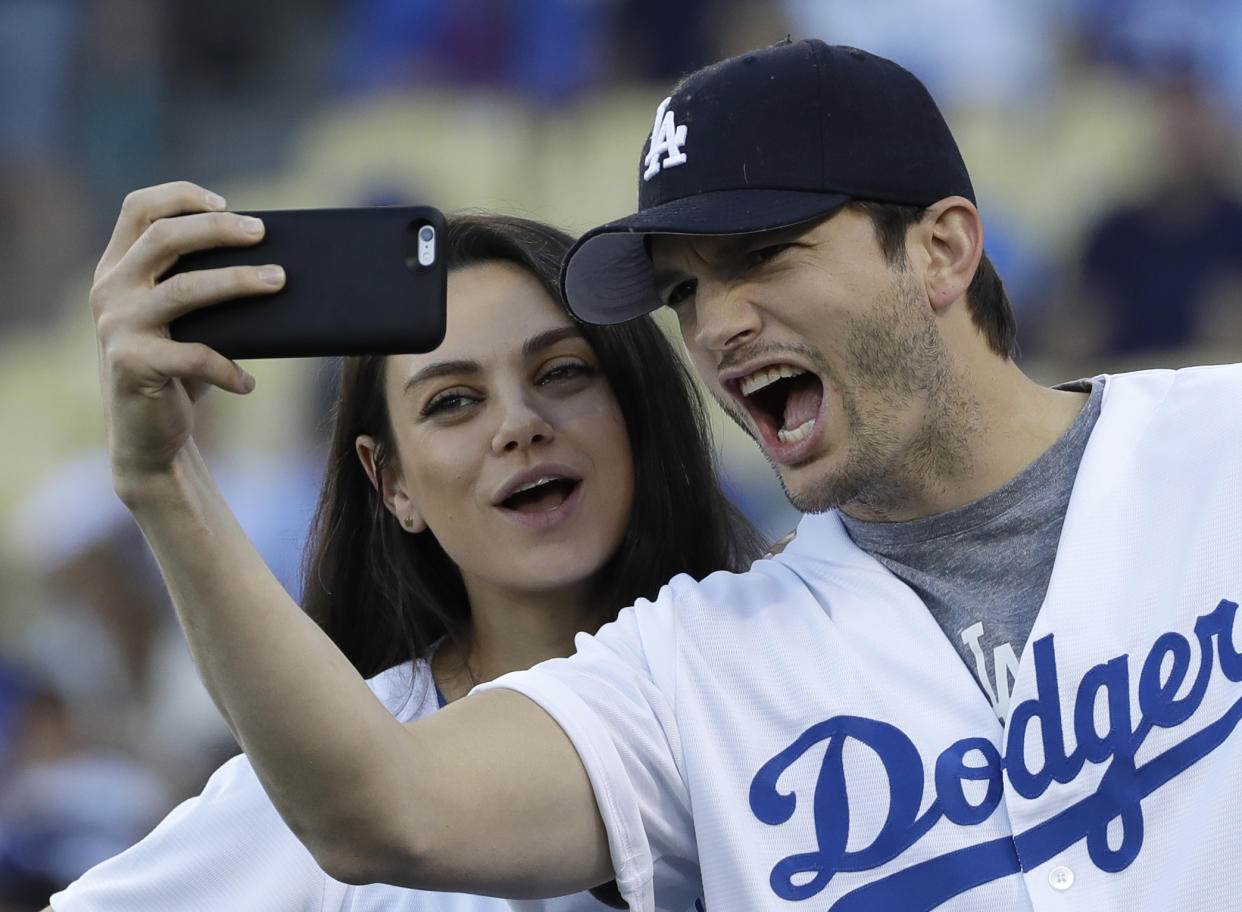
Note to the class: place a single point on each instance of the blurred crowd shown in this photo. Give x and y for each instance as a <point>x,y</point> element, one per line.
<point>1102,136</point>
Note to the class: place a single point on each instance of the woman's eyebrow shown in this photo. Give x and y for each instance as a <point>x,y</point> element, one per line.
<point>540,341</point>
<point>440,369</point>
<point>531,346</point>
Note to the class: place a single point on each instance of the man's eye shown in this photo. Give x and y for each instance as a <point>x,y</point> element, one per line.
<point>763,254</point>
<point>681,293</point>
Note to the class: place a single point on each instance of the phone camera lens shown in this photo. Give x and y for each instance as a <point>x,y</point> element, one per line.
<point>425,234</point>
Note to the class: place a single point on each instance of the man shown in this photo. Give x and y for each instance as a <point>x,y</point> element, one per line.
<point>801,735</point>
<point>804,733</point>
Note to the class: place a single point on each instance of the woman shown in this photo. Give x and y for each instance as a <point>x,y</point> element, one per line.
<point>482,504</point>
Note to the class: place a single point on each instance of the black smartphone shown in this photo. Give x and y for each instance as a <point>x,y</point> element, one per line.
<point>358,281</point>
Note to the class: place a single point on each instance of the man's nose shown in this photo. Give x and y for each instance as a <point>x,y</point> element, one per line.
<point>725,316</point>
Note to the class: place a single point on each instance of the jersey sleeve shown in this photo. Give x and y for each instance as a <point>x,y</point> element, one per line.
<point>226,848</point>
<point>614,700</point>
<point>229,849</point>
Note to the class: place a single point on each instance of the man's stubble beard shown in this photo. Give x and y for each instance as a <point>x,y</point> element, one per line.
<point>893,356</point>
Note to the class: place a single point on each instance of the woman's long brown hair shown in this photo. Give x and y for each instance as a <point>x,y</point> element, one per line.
<point>386,596</point>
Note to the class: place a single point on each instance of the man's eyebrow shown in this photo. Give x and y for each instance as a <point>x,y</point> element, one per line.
<point>665,277</point>
<point>734,245</point>
<point>781,235</point>
<point>531,346</point>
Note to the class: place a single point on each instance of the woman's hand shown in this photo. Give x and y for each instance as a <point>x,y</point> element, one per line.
<point>149,382</point>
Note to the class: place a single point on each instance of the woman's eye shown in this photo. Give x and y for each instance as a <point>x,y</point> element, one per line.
<point>681,293</point>
<point>565,370</point>
<point>446,403</point>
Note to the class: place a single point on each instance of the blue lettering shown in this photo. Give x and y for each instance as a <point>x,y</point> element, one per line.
<point>951,769</point>
<point>901,829</point>
<point>1113,677</point>
<point>1046,708</point>
<point>1157,698</point>
<point>1220,623</point>
<point>1117,800</point>
<point>1120,798</point>
<point>1127,785</point>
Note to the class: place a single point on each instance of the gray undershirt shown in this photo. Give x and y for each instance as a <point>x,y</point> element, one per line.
<point>983,569</point>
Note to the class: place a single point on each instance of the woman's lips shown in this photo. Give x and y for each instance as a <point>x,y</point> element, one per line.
<point>546,510</point>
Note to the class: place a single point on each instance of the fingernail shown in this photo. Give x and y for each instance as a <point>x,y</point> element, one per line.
<point>247,382</point>
<point>250,225</point>
<point>214,200</point>
<point>271,275</point>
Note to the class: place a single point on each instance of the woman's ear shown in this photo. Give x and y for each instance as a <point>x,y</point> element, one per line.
<point>953,245</point>
<point>390,485</point>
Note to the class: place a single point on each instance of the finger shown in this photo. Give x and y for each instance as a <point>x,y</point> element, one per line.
<point>208,366</point>
<point>166,239</point>
<point>142,207</point>
<point>186,291</point>
<point>148,364</point>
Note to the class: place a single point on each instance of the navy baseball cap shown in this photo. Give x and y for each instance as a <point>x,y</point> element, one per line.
<point>765,140</point>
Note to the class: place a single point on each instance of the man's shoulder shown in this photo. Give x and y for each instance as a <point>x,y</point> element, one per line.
<point>820,556</point>
<point>1157,418</point>
<point>1204,383</point>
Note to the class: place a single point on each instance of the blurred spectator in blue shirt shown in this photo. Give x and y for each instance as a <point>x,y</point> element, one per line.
<point>549,50</point>
<point>1156,270</point>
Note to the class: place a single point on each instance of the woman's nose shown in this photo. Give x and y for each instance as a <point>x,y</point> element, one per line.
<point>521,425</point>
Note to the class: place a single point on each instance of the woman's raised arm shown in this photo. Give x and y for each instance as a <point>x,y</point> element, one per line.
<point>486,796</point>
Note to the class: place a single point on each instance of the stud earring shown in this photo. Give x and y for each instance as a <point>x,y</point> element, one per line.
<point>408,522</point>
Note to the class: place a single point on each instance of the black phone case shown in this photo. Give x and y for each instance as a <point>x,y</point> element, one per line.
<point>353,285</point>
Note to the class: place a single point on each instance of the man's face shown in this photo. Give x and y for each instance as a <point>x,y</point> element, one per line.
<point>823,351</point>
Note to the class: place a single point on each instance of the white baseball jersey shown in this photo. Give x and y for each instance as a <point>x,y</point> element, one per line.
<point>228,850</point>
<point>804,736</point>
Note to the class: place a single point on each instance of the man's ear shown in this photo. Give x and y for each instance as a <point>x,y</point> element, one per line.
<point>390,484</point>
<point>952,239</point>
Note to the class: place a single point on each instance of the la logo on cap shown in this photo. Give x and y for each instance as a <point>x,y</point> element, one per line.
<point>667,138</point>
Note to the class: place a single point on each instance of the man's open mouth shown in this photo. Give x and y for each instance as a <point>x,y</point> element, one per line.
<point>783,401</point>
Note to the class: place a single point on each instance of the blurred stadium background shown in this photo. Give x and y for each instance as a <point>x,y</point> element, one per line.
<point>1101,134</point>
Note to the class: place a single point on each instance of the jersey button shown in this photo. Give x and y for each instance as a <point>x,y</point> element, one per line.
<point>1061,878</point>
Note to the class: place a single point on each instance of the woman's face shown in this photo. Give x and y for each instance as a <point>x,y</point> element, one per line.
<point>511,447</point>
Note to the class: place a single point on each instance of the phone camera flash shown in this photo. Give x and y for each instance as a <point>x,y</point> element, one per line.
<point>426,245</point>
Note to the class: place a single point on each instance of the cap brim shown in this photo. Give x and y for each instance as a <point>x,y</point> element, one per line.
<point>607,276</point>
